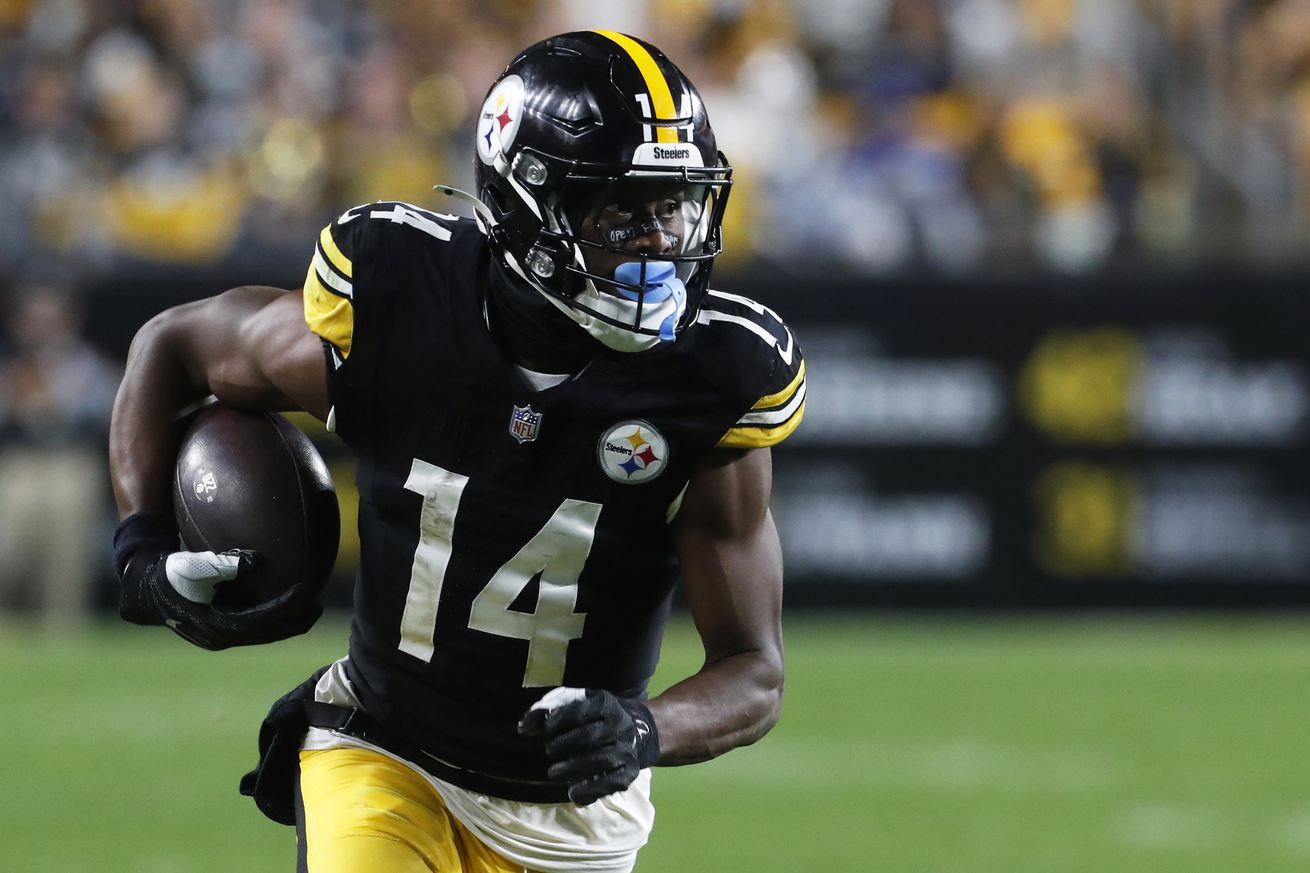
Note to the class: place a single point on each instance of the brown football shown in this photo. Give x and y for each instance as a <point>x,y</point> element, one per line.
<point>254,481</point>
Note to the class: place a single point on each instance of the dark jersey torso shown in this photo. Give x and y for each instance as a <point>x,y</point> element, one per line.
<point>513,540</point>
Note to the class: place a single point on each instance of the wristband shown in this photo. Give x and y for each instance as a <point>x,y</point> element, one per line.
<point>141,529</point>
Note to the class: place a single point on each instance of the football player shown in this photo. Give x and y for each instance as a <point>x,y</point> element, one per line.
<point>553,418</point>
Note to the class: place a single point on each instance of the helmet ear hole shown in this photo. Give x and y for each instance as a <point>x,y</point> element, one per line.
<point>494,197</point>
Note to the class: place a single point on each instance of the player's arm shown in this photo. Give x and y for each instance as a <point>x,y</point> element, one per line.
<point>732,574</point>
<point>251,348</point>
<point>597,742</point>
<point>727,544</point>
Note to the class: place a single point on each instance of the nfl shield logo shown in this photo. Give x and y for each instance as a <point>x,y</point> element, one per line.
<point>524,424</point>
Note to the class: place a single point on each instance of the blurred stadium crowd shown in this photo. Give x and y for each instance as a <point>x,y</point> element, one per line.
<point>874,137</point>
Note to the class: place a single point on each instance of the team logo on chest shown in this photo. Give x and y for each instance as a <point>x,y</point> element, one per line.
<point>524,424</point>
<point>632,452</point>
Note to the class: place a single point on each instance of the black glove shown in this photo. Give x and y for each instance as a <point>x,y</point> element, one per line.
<point>146,548</point>
<point>596,742</point>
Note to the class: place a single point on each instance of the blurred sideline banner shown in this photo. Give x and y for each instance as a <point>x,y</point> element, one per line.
<point>1128,440</point>
<point>1120,441</point>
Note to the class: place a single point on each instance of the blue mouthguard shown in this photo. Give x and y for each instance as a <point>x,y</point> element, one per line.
<point>661,284</point>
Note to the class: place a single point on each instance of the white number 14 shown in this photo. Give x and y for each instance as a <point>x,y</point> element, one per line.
<point>555,556</point>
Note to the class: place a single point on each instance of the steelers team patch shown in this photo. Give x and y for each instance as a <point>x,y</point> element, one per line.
<point>632,452</point>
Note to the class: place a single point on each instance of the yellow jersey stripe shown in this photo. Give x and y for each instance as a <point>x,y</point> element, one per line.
<point>340,261</point>
<point>776,415</point>
<point>661,98</point>
<point>785,394</point>
<point>329,315</point>
<point>759,438</point>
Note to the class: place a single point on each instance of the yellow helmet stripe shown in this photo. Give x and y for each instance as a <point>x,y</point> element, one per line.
<point>661,98</point>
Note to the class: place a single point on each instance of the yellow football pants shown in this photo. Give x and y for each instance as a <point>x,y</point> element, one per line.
<point>365,812</point>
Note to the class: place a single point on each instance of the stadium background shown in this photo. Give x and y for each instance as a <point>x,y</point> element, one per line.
<point>1046,258</point>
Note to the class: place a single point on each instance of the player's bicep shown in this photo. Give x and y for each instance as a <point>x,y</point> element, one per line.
<point>730,555</point>
<point>252,350</point>
<point>290,355</point>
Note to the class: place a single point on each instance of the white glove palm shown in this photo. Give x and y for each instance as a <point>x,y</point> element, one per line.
<point>194,575</point>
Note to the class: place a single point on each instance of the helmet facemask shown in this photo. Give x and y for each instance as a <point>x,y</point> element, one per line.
<point>578,222</point>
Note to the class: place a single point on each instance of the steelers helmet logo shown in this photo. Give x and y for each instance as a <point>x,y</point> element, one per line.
<point>498,123</point>
<point>632,452</point>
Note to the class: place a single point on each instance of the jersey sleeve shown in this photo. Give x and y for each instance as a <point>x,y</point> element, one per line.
<point>329,294</point>
<point>348,274</point>
<point>773,417</point>
<point>375,272</point>
<point>777,386</point>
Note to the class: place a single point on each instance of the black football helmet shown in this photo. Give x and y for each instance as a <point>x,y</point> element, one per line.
<point>579,117</point>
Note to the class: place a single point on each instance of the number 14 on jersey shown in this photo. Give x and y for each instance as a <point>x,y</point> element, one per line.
<point>555,556</point>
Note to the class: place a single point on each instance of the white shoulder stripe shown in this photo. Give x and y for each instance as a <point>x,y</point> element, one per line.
<point>774,417</point>
<point>747,302</point>
<point>705,316</point>
<point>330,277</point>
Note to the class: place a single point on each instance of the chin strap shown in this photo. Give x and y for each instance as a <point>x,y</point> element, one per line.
<point>486,221</point>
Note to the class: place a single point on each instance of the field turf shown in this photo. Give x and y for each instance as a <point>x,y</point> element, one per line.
<point>1111,744</point>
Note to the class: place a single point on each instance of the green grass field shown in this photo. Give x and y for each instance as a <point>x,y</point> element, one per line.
<point>1049,745</point>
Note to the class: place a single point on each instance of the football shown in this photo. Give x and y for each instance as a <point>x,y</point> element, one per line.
<point>254,481</point>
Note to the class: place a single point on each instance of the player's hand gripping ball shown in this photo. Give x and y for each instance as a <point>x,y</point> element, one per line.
<point>254,482</point>
<point>259,528</point>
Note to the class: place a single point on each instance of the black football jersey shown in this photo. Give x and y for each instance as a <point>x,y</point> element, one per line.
<point>513,540</point>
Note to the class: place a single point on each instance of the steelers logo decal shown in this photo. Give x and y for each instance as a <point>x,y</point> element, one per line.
<point>632,452</point>
<point>498,123</point>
